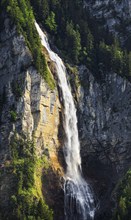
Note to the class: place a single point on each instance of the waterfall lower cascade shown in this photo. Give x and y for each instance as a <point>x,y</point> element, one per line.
<point>79,202</point>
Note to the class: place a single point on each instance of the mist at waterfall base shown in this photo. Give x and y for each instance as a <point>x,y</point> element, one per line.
<point>78,198</point>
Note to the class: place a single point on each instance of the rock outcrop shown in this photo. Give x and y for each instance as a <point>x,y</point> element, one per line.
<point>114,15</point>
<point>105,129</point>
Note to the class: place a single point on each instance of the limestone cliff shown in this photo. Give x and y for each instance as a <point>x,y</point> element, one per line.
<point>27,107</point>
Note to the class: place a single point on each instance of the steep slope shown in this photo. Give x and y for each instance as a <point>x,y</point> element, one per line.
<point>30,136</point>
<point>105,128</point>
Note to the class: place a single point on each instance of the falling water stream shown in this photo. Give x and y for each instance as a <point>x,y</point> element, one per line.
<point>78,201</point>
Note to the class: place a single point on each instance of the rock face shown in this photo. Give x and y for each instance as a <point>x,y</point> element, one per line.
<point>41,115</point>
<point>115,15</point>
<point>23,92</point>
<point>27,106</point>
<point>104,113</point>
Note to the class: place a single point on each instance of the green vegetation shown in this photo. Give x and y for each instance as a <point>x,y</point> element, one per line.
<point>26,201</point>
<point>13,116</point>
<point>16,86</point>
<point>64,26</point>
<point>50,22</point>
<point>111,57</point>
<point>123,211</point>
<point>73,76</point>
<point>73,44</point>
<point>81,38</point>
<point>22,15</point>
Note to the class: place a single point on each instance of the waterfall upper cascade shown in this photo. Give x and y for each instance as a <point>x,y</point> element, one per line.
<point>79,202</point>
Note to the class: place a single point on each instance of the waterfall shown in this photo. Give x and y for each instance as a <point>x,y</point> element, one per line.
<point>79,203</point>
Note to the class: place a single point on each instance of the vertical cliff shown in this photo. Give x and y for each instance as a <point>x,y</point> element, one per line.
<point>112,15</point>
<point>30,112</point>
<point>105,128</point>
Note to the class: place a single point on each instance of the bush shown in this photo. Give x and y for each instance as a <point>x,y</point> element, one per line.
<point>17,89</point>
<point>13,116</point>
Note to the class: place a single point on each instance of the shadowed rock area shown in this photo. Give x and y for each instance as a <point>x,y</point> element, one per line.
<point>105,129</point>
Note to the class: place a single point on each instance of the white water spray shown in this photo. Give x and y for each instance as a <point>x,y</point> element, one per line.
<point>79,203</point>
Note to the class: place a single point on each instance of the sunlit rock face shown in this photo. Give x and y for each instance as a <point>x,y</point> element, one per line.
<point>24,92</point>
<point>30,108</point>
<point>114,15</point>
<point>105,129</point>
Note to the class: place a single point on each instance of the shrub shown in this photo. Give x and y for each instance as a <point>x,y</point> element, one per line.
<point>13,116</point>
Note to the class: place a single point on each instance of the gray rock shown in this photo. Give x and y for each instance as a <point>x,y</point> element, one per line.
<point>104,121</point>
<point>114,14</point>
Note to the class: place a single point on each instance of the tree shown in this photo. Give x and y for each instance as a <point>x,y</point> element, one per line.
<point>50,22</point>
<point>117,57</point>
<point>73,41</point>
